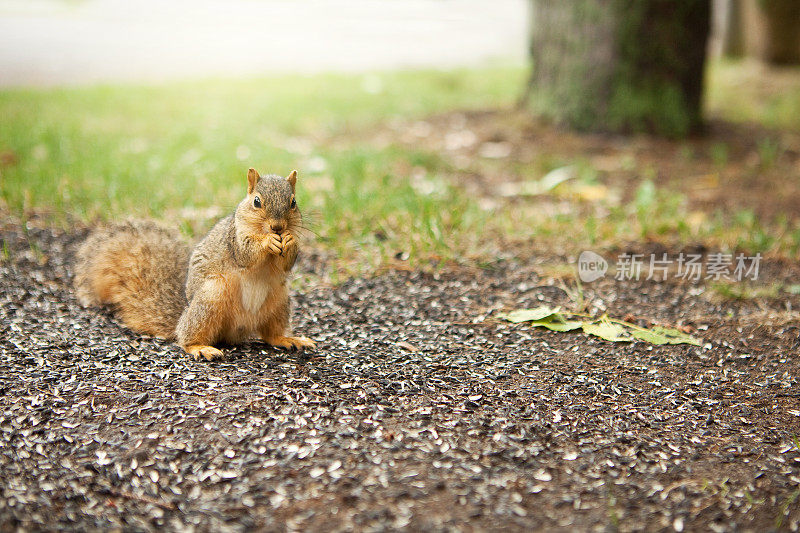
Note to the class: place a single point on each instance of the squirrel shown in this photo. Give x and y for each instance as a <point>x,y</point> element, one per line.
<point>231,286</point>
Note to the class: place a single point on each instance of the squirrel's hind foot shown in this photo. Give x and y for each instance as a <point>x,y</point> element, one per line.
<point>291,343</point>
<point>209,353</point>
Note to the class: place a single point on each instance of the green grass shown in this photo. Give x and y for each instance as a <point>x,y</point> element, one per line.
<point>181,151</point>
<point>745,291</point>
<point>101,151</point>
<point>750,92</point>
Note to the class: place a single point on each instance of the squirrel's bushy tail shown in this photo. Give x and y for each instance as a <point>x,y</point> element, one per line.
<point>139,269</point>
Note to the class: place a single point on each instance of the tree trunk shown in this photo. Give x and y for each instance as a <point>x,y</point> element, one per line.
<point>620,65</point>
<point>782,18</point>
<point>733,32</point>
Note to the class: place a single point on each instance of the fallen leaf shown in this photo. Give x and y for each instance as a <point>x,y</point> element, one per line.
<point>659,335</point>
<point>607,331</point>
<point>592,192</point>
<point>605,328</point>
<point>558,325</point>
<point>550,181</point>
<point>527,315</point>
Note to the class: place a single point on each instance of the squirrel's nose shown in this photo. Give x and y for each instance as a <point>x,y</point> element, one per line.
<point>277,227</point>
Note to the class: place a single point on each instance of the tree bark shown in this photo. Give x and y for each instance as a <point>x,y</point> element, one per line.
<point>620,65</point>
<point>782,18</point>
<point>733,33</point>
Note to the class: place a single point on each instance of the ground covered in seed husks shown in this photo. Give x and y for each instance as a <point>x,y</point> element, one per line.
<point>419,411</point>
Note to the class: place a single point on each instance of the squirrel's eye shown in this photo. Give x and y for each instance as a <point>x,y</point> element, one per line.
<point>293,204</point>
<point>257,202</point>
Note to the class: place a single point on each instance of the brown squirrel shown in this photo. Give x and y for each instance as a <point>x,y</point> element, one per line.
<point>233,284</point>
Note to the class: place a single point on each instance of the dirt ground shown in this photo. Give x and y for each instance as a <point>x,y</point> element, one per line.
<point>420,410</point>
<point>728,167</point>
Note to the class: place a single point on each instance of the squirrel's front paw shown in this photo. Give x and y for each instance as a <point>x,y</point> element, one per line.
<point>209,353</point>
<point>273,244</point>
<point>289,243</point>
<point>291,343</point>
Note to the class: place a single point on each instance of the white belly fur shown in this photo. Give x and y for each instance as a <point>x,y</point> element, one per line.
<point>255,289</point>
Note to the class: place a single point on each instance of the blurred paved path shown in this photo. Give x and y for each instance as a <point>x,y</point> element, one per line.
<point>47,42</point>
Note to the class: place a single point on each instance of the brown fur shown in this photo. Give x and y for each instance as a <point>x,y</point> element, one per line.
<point>138,268</point>
<point>235,279</point>
<point>236,285</point>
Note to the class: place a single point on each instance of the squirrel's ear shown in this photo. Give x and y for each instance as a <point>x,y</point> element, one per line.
<point>252,179</point>
<point>292,178</point>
